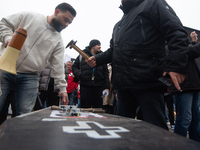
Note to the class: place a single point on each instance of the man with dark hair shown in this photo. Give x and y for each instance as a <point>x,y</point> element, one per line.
<point>56,21</point>
<point>93,80</point>
<point>66,7</point>
<point>43,44</point>
<point>137,53</point>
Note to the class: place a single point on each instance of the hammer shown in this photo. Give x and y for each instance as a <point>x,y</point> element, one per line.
<point>72,45</point>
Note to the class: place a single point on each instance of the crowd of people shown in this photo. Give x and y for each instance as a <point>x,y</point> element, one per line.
<point>148,45</point>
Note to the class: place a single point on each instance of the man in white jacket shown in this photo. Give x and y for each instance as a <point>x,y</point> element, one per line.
<point>43,44</point>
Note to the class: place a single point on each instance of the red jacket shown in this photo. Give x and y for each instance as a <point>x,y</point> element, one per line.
<point>71,84</point>
<point>79,94</point>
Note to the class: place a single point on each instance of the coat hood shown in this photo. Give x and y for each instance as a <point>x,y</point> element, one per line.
<point>129,4</point>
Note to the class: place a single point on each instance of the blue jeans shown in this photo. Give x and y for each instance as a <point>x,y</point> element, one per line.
<point>71,97</point>
<point>188,115</point>
<point>25,86</point>
<point>79,103</point>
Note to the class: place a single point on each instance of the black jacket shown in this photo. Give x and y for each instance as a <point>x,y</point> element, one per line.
<point>137,47</point>
<point>192,80</point>
<point>84,73</point>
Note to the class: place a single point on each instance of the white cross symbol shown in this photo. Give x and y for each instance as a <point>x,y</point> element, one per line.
<point>93,133</point>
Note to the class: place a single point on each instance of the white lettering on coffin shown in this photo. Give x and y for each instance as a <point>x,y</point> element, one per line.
<point>85,128</point>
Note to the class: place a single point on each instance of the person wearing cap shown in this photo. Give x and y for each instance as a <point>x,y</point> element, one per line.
<point>93,81</point>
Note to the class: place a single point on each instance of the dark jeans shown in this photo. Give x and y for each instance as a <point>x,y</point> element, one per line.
<point>9,100</point>
<point>71,98</point>
<point>91,97</point>
<point>115,103</point>
<point>188,115</point>
<point>151,103</point>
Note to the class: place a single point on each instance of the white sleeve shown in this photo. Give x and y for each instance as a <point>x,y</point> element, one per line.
<point>57,65</point>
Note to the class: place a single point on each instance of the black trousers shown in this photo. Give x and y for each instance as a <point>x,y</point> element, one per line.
<point>51,98</point>
<point>91,97</point>
<point>151,103</point>
<point>170,106</point>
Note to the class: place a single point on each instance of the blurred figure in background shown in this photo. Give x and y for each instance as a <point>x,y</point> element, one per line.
<point>93,80</point>
<point>108,100</point>
<point>72,84</point>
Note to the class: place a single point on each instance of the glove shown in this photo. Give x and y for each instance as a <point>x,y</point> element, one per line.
<point>105,93</point>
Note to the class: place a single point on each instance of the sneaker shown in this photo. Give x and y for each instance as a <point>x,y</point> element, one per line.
<point>172,127</point>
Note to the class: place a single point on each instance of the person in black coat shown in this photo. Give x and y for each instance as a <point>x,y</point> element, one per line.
<point>137,53</point>
<point>93,80</point>
<point>187,101</point>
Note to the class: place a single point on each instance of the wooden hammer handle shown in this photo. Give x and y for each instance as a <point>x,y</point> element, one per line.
<point>55,108</point>
<point>80,51</point>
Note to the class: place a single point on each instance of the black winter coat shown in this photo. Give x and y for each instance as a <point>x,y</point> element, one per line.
<point>192,80</point>
<point>137,47</point>
<point>83,73</point>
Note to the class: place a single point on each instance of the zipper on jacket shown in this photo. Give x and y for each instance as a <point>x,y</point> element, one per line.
<point>142,29</point>
<point>92,74</point>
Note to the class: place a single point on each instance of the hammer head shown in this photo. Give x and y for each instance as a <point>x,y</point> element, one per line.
<point>70,43</point>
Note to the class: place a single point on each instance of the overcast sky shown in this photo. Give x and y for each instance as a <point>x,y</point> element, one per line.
<point>96,18</point>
